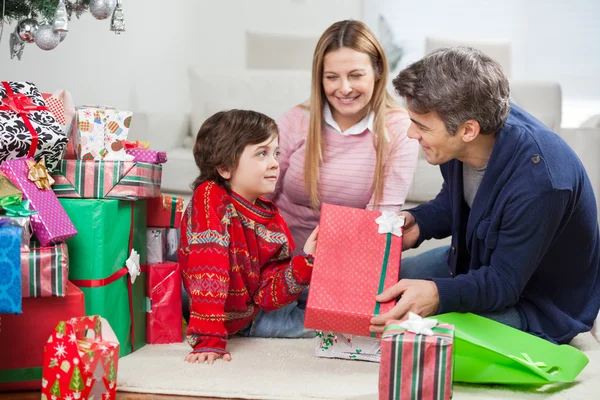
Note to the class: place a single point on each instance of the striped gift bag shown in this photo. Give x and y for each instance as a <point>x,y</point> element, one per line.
<point>416,366</point>
<point>45,271</point>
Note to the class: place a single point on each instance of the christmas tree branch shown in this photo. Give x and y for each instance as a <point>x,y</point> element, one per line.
<point>41,10</point>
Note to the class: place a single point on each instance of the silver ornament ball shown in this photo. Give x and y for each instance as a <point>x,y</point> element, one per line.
<point>102,9</point>
<point>62,35</point>
<point>26,30</point>
<point>46,38</point>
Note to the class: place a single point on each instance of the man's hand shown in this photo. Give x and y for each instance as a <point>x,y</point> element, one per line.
<point>411,230</point>
<point>210,358</point>
<point>311,243</point>
<point>418,296</point>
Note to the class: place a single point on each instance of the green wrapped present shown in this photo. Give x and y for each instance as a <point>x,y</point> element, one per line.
<point>102,264</point>
<point>487,351</point>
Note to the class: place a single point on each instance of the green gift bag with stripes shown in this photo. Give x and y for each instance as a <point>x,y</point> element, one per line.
<point>108,232</point>
<point>125,180</point>
<point>487,351</point>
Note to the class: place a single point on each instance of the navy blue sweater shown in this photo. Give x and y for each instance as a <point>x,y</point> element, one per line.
<point>531,238</point>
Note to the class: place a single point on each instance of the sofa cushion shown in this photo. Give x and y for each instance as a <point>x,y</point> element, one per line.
<point>271,92</point>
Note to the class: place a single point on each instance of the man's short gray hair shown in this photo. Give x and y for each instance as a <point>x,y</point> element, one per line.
<point>459,84</point>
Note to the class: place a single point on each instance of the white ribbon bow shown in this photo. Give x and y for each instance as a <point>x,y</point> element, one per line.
<point>133,265</point>
<point>416,324</point>
<point>390,222</point>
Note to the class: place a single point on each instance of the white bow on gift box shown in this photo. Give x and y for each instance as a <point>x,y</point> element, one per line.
<point>390,222</point>
<point>133,265</point>
<point>417,324</point>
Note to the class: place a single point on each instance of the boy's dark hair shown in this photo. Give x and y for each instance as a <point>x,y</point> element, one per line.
<point>222,139</point>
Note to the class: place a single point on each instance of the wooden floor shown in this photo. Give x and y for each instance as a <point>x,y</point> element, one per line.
<point>120,396</point>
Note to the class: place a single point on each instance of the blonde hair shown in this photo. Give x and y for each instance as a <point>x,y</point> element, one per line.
<point>356,36</point>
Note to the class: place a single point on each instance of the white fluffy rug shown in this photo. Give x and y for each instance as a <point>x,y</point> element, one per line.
<point>286,369</point>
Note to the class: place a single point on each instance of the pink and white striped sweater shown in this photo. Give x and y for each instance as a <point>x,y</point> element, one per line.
<point>347,174</point>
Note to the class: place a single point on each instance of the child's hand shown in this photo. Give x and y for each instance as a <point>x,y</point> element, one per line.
<point>311,243</point>
<point>210,358</point>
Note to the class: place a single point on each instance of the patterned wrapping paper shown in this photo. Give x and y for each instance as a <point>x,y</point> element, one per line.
<point>156,240</point>
<point>45,271</point>
<point>25,224</point>
<point>10,270</point>
<point>172,244</point>
<point>347,347</point>
<point>148,156</point>
<point>51,224</point>
<point>21,361</point>
<point>99,130</point>
<point>163,323</point>
<point>77,366</point>
<point>28,133</point>
<point>416,366</point>
<point>165,211</point>
<point>351,256</point>
<point>124,180</point>
<point>60,104</point>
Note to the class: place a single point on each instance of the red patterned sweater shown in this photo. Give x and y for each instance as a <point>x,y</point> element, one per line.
<point>235,257</point>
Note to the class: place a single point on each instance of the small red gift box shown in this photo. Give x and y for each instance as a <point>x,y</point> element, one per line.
<point>165,211</point>
<point>77,366</point>
<point>416,360</point>
<point>353,263</point>
<point>163,324</point>
<point>44,271</point>
<point>23,336</point>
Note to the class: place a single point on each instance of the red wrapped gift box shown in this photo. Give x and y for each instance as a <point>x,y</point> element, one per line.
<point>353,263</point>
<point>44,271</point>
<point>22,337</point>
<point>165,211</point>
<point>416,363</point>
<point>163,324</point>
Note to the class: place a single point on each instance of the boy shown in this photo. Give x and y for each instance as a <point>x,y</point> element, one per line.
<point>236,249</point>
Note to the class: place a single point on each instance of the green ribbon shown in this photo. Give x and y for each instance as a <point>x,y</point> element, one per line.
<point>19,210</point>
<point>173,210</point>
<point>21,375</point>
<point>10,200</point>
<point>539,365</point>
<point>386,256</point>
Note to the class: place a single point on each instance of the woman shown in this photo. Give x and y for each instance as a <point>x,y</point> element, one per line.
<point>348,146</point>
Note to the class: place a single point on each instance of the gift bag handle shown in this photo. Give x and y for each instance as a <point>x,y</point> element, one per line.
<point>81,326</point>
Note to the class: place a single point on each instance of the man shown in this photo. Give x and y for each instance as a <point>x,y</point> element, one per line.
<point>519,206</point>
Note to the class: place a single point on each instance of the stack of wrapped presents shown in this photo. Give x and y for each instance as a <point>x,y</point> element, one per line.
<point>78,205</point>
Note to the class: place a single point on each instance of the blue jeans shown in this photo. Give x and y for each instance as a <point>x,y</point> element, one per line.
<point>286,322</point>
<point>434,264</point>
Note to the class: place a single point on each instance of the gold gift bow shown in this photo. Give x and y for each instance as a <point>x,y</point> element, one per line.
<point>39,174</point>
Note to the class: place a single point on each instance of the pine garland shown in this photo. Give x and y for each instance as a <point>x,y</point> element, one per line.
<point>38,9</point>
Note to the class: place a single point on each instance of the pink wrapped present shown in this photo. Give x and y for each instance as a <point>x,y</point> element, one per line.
<point>51,224</point>
<point>148,156</point>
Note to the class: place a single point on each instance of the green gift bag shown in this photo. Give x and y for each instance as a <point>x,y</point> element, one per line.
<point>487,351</point>
<point>108,230</point>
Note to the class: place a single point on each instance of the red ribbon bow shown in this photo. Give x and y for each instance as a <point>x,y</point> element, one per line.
<point>22,105</point>
<point>19,104</point>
